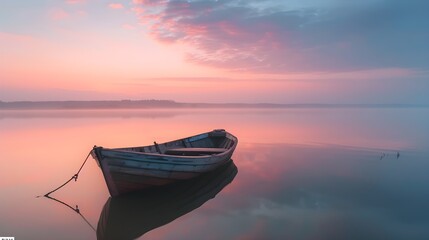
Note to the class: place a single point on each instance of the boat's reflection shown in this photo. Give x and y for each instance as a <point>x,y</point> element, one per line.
<point>130,216</point>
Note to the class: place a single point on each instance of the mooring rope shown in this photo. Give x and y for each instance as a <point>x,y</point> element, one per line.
<point>65,204</point>
<point>73,177</point>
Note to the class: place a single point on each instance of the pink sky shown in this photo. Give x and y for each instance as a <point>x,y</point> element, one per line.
<point>204,51</point>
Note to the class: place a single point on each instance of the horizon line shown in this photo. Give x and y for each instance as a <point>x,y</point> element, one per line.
<point>184,102</point>
<point>160,103</point>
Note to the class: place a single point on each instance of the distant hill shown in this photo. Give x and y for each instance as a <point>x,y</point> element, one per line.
<point>123,104</point>
<point>156,104</point>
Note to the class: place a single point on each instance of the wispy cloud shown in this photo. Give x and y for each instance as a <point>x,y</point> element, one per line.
<point>116,6</point>
<point>128,26</point>
<point>14,38</point>
<point>58,14</point>
<point>75,1</point>
<point>62,14</point>
<point>264,36</point>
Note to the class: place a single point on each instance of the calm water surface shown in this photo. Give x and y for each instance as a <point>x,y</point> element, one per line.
<point>296,174</point>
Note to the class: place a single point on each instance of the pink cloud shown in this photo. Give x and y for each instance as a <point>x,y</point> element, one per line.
<point>58,14</point>
<point>128,26</point>
<point>116,6</point>
<point>150,2</point>
<point>247,37</point>
<point>12,37</point>
<point>75,1</point>
<point>138,10</point>
<point>218,42</point>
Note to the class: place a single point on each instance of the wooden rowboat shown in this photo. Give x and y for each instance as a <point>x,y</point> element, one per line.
<point>135,168</point>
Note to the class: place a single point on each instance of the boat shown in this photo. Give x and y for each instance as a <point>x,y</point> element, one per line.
<point>131,169</point>
<point>132,215</point>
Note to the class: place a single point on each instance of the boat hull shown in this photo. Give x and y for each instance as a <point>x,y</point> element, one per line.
<point>128,171</point>
<point>130,216</point>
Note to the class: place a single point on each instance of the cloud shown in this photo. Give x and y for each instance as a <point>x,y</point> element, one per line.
<point>267,37</point>
<point>128,26</point>
<point>61,14</point>
<point>58,14</point>
<point>116,5</point>
<point>75,1</point>
<point>7,37</point>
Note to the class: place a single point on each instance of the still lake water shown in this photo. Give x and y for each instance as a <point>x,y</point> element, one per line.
<point>302,174</point>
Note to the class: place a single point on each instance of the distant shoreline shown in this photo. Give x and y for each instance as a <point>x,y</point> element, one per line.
<point>168,104</point>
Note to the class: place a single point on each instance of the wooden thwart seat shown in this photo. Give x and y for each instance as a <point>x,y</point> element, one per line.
<point>194,151</point>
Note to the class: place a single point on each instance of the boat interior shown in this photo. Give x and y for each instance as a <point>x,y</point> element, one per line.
<point>214,142</point>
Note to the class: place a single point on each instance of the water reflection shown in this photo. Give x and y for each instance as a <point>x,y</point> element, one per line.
<point>130,216</point>
<point>304,174</point>
<point>75,209</point>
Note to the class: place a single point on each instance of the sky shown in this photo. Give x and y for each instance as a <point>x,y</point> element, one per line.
<point>274,51</point>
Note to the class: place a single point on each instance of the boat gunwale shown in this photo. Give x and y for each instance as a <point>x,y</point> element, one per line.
<point>161,155</point>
